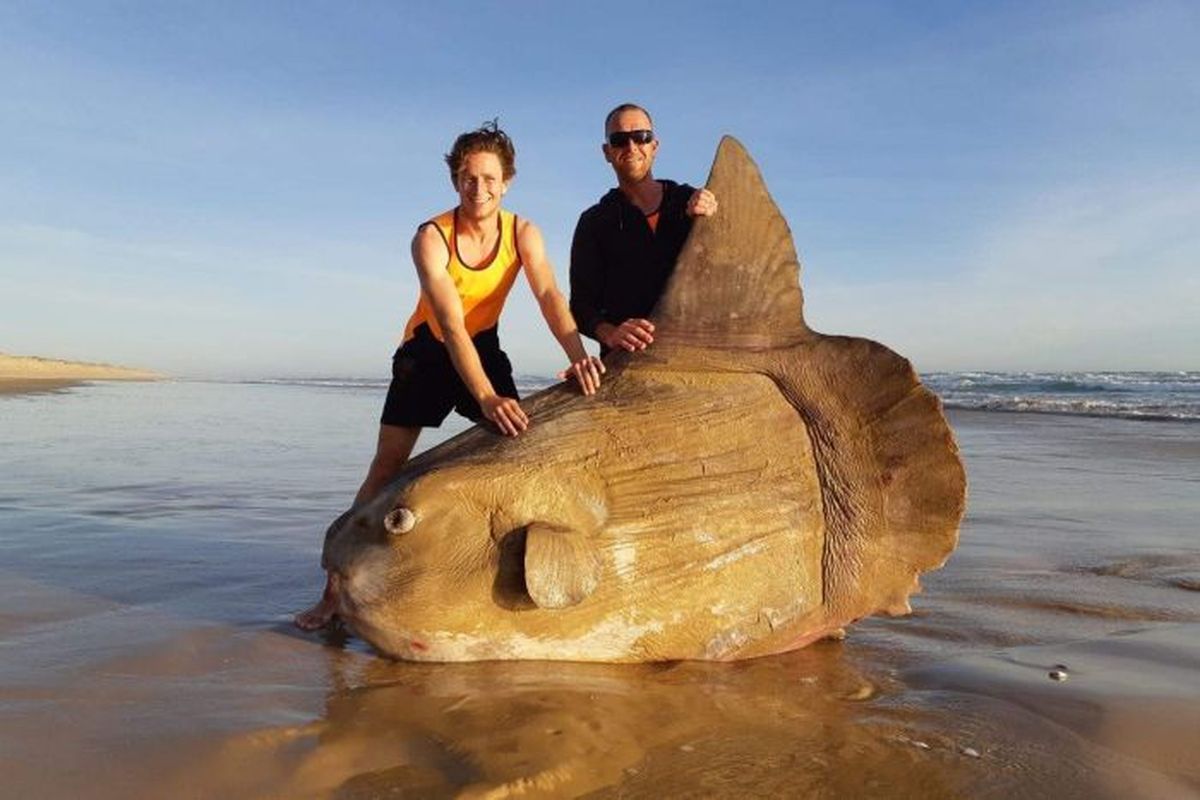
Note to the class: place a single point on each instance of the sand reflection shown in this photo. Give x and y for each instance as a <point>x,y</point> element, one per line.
<point>784,725</point>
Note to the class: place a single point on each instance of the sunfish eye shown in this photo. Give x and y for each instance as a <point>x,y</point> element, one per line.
<point>399,520</point>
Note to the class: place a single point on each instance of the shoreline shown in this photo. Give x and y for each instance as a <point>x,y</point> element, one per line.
<point>36,375</point>
<point>13,386</point>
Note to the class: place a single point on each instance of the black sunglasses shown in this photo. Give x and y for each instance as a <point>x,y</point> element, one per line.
<point>618,139</point>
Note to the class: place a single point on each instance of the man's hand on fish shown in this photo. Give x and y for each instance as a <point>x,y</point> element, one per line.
<point>506,413</point>
<point>632,334</point>
<point>702,203</point>
<point>586,371</point>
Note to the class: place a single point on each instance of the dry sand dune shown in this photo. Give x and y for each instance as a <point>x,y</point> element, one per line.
<point>32,373</point>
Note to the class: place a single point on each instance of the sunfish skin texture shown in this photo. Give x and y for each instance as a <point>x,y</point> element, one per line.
<point>743,487</point>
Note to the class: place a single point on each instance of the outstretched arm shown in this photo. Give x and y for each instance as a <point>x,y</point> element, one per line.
<point>431,256</point>
<point>584,368</point>
<point>637,334</point>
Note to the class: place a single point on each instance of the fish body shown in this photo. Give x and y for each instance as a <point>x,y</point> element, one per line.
<point>743,487</point>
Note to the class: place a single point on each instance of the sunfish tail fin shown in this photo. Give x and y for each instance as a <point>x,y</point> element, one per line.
<point>737,280</point>
<point>892,482</point>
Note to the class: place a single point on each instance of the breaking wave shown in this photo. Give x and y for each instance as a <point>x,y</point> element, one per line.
<point>1129,395</point>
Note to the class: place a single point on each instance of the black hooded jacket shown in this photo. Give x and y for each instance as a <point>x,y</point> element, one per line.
<point>619,267</point>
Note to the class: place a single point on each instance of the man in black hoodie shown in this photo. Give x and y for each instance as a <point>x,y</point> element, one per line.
<point>625,246</point>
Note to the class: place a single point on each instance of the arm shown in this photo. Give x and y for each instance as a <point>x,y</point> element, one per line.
<point>584,368</point>
<point>637,334</point>
<point>587,283</point>
<point>587,278</point>
<point>430,256</point>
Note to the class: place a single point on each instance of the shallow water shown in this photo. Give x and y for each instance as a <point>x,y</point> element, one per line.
<point>155,539</point>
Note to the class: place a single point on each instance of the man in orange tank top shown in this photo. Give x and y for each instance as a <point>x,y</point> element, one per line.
<point>467,259</point>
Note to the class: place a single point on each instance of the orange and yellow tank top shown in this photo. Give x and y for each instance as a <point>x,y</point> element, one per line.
<point>482,288</point>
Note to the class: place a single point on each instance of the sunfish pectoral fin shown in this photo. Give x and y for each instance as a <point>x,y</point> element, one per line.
<point>562,566</point>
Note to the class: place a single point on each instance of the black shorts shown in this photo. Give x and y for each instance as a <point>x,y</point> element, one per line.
<point>425,386</point>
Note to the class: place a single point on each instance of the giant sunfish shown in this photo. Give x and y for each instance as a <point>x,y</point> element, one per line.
<point>744,486</point>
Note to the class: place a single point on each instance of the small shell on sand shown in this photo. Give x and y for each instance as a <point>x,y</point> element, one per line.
<point>864,692</point>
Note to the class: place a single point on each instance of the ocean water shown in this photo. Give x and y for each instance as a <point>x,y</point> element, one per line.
<point>1128,395</point>
<point>155,540</point>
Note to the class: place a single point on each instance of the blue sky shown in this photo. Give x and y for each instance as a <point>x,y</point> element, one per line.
<point>229,189</point>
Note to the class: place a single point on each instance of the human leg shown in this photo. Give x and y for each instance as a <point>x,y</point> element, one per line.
<point>420,395</point>
<point>321,614</point>
<point>391,451</point>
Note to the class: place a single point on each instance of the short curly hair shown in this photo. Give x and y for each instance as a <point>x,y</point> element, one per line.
<point>487,138</point>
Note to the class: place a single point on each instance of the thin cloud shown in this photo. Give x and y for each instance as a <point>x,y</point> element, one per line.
<point>1082,277</point>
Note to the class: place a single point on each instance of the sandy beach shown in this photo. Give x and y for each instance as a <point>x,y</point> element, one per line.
<point>152,558</point>
<point>768,218</point>
<point>23,374</point>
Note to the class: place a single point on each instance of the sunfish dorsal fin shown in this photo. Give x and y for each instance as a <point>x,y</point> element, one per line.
<point>737,280</point>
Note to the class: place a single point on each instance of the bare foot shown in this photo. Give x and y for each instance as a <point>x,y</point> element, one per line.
<point>321,614</point>
<point>316,617</point>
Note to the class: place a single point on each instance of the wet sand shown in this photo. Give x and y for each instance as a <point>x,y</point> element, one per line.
<point>35,385</point>
<point>147,649</point>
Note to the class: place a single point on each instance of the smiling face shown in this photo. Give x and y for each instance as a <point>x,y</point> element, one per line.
<point>631,162</point>
<point>480,185</point>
